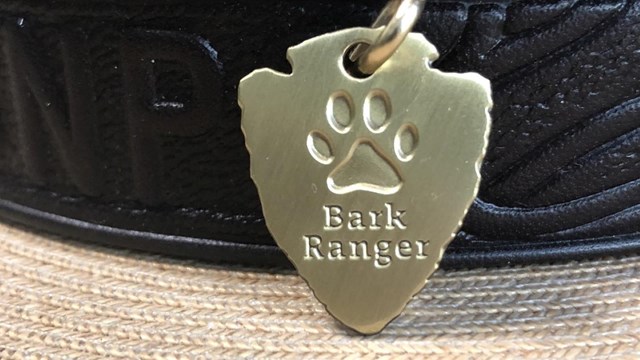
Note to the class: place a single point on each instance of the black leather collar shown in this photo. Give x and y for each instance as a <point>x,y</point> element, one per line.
<point>119,122</point>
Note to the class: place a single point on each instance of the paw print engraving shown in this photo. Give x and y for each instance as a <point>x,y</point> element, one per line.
<point>378,146</point>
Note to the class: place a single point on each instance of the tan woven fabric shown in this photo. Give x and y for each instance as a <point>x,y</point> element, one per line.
<point>62,299</point>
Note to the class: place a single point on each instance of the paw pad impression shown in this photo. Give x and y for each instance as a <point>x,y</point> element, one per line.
<point>363,164</point>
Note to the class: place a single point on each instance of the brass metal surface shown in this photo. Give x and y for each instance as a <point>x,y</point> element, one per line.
<point>364,182</point>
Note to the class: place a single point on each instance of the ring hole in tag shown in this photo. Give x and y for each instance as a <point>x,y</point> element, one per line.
<point>350,66</point>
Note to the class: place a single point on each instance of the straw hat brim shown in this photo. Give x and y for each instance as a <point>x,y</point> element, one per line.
<point>64,299</point>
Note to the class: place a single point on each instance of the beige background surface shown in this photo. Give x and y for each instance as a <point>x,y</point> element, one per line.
<point>60,299</point>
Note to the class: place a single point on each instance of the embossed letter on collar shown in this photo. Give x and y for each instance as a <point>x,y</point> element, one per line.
<point>363,182</point>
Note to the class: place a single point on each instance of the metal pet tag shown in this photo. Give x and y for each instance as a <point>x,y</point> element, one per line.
<point>364,181</point>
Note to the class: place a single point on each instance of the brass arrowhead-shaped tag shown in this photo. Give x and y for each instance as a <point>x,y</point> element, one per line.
<point>364,182</point>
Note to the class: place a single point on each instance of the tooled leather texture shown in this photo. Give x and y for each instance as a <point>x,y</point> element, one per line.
<point>119,121</point>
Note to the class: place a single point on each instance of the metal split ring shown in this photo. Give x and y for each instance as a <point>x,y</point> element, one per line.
<point>398,18</point>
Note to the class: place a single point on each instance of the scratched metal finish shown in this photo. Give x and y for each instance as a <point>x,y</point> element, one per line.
<point>365,181</point>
